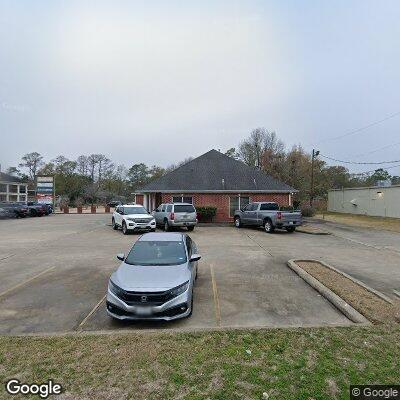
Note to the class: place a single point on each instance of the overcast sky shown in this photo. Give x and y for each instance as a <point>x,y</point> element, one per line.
<point>159,81</point>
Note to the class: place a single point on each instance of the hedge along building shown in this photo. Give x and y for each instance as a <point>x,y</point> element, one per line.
<point>216,180</point>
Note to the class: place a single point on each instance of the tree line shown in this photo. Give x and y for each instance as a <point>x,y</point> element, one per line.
<point>95,178</point>
<point>90,178</point>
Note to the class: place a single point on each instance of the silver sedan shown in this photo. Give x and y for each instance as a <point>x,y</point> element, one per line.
<point>155,280</point>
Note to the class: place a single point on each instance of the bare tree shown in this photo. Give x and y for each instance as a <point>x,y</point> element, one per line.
<point>82,165</point>
<point>13,171</point>
<point>93,161</point>
<point>32,161</point>
<point>260,147</point>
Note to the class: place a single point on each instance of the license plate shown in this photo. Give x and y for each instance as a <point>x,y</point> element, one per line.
<point>143,311</point>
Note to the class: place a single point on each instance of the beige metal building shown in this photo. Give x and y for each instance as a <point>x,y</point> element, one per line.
<point>374,201</point>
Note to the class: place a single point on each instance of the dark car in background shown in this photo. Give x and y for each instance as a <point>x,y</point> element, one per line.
<point>48,208</point>
<point>6,213</point>
<point>37,210</point>
<point>114,203</point>
<point>16,209</point>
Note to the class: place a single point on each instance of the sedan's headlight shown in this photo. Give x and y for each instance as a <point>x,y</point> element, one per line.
<point>116,289</point>
<point>179,289</point>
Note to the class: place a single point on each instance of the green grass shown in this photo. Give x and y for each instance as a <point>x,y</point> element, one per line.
<point>365,221</point>
<point>309,363</point>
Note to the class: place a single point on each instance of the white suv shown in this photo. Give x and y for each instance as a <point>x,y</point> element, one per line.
<point>132,217</point>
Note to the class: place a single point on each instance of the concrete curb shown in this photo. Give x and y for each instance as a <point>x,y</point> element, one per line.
<point>351,313</point>
<point>322,233</point>
<point>362,284</point>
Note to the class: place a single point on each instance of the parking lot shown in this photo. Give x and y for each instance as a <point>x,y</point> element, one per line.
<point>54,272</point>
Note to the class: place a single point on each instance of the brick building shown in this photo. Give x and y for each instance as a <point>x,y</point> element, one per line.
<point>214,179</point>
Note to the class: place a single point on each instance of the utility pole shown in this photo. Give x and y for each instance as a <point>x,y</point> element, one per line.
<point>315,154</point>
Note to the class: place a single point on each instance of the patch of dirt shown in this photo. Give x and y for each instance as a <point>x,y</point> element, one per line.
<point>368,304</point>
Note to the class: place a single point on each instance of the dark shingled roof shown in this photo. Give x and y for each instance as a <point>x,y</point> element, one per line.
<point>10,178</point>
<point>214,171</point>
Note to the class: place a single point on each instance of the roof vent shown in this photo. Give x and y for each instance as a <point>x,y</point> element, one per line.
<point>255,183</point>
<point>223,183</point>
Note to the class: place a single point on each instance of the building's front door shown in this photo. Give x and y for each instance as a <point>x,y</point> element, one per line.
<point>158,199</point>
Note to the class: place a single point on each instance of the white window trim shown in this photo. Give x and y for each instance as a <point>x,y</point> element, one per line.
<point>240,206</point>
<point>181,197</point>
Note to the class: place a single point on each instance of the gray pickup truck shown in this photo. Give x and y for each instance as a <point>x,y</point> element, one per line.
<point>267,215</point>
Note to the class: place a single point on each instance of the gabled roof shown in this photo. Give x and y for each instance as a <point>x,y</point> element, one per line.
<point>10,178</point>
<point>216,172</point>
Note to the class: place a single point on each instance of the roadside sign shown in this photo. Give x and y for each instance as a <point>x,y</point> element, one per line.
<point>45,189</point>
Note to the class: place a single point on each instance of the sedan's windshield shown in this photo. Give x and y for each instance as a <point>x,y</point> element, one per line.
<point>157,253</point>
<point>134,210</point>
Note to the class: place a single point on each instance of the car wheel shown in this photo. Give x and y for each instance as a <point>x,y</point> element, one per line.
<point>124,228</point>
<point>153,230</point>
<point>238,222</point>
<point>34,213</point>
<point>114,225</point>
<point>166,226</point>
<point>291,229</point>
<point>268,227</point>
<point>190,228</point>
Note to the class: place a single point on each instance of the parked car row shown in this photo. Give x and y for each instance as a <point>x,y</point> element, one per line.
<point>134,217</point>
<point>268,215</point>
<point>18,210</point>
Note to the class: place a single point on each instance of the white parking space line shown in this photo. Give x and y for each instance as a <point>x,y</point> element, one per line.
<point>8,291</point>
<point>94,309</point>
<point>396,292</point>
<point>216,299</point>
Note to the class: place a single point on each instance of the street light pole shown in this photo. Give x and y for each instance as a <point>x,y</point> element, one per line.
<point>314,155</point>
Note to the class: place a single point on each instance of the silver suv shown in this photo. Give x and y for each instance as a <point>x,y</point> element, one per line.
<point>171,215</point>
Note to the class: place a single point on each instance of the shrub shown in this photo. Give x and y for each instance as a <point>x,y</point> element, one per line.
<point>307,211</point>
<point>206,213</point>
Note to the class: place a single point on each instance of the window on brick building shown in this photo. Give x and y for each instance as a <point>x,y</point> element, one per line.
<point>182,199</point>
<point>236,203</point>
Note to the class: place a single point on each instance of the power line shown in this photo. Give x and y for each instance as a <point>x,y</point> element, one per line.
<point>355,131</point>
<point>376,150</point>
<point>369,172</point>
<point>360,163</point>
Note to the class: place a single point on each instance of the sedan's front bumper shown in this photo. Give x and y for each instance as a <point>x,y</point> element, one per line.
<point>178,307</point>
